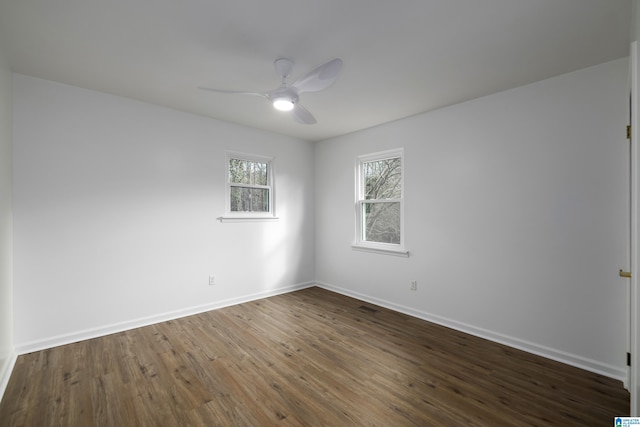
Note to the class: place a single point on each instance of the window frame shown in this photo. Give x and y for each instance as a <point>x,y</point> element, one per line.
<point>360,201</point>
<point>232,216</point>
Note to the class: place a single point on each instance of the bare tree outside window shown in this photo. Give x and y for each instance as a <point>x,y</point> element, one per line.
<point>381,215</point>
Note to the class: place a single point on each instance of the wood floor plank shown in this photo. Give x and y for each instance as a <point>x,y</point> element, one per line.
<point>310,357</point>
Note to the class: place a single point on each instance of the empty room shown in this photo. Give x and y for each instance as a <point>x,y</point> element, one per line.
<point>319,213</point>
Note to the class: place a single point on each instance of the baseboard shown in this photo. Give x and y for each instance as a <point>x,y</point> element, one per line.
<point>549,353</point>
<point>55,341</point>
<point>5,372</point>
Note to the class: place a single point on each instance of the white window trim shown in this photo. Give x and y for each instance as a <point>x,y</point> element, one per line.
<point>230,216</point>
<point>359,243</point>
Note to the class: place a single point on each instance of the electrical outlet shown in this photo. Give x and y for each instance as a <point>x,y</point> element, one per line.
<point>212,281</point>
<point>414,285</point>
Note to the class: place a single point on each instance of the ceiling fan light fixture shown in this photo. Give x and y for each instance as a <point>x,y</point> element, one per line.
<point>285,97</point>
<point>283,104</point>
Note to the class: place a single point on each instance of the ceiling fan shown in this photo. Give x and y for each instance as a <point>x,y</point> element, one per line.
<point>285,97</point>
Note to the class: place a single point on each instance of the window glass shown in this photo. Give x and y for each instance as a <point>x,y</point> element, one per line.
<point>248,172</point>
<point>245,199</point>
<point>383,179</point>
<point>381,222</point>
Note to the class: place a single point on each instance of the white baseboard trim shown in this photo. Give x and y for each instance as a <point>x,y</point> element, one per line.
<point>547,352</point>
<point>55,341</point>
<point>5,372</point>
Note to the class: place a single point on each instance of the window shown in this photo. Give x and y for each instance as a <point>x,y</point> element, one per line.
<point>250,190</point>
<point>379,202</point>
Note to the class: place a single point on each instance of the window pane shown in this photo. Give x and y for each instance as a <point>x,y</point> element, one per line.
<point>383,179</point>
<point>382,222</point>
<point>238,172</point>
<point>248,172</point>
<point>260,171</point>
<point>249,199</point>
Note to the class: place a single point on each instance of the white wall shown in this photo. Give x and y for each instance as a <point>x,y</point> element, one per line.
<point>115,207</point>
<point>515,217</point>
<point>7,354</point>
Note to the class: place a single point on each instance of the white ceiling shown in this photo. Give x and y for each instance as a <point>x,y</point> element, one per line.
<point>401,57</point>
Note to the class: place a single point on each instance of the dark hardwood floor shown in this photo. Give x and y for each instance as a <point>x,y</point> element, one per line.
<point>308,358</point>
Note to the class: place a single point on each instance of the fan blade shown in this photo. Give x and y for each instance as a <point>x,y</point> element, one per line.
<point>233,92</point>
<point>320,77</point>
<point>302,115</point>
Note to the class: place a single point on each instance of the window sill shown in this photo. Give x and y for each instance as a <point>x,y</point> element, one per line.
<point>383,251</point>
<point>248,218</point>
